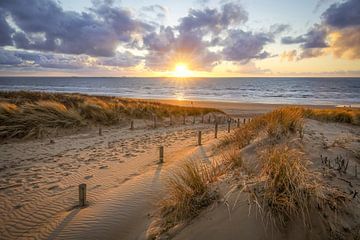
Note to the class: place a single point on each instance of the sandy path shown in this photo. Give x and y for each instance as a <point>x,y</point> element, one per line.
<point>39,181</point>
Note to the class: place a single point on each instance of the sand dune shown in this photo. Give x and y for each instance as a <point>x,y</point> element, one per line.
<point>40,179</point>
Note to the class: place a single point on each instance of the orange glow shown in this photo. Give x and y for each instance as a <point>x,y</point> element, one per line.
<point>181,70</point>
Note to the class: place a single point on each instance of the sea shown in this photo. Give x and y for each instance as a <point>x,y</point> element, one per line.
<point>309,91</point>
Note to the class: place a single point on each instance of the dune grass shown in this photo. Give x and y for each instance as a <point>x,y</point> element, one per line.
<point>31,114</point>
<point>276,124</point>
<point>188,191</point>
<point>342,115</point>
<point>285,187</point>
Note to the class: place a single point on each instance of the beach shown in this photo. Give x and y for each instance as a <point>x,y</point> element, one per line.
<point>120,166</point>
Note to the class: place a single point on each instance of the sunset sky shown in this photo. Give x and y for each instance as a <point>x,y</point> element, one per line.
<point>187,38</point>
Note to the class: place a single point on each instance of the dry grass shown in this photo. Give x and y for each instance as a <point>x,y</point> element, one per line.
<point>277,124</point>
<point>286,189</point>
<point>189,190</point>
<point>342,115</point>
<point>32,119</point>
<point>30,114</point>
<point>287,186</point>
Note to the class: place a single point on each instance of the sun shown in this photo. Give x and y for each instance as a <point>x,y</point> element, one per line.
<point>181,70</point>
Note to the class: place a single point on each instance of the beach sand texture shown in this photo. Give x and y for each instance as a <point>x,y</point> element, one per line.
<point>39,179</point>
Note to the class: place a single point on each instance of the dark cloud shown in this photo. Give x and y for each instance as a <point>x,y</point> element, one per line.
<point>244,46</point>
<point>5,30</point>
<point>339,33</point>
<point>46,26</point>
<point>125,59</point>
<point>315,38</point>
<point>8,58</point>
<point>213,20</point>
<point>293,40</point>
<point>202,29</point>
<point>344,14</point>
<point>38,60</point>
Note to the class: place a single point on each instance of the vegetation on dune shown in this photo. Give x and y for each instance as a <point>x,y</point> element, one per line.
<point>30,114</point>
<point>281,185</point>
<point>285,188</point>
<point>189,191</point>
<point>342,115</point>
<point>276,124</point>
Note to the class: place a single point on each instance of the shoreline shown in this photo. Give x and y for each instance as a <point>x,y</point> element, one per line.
<point>223,104</point>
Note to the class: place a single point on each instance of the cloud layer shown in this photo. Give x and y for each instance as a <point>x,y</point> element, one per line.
<point>338,33</point>
<point>42,35</point>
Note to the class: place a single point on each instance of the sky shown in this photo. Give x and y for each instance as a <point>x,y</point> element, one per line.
<point>188,38</point>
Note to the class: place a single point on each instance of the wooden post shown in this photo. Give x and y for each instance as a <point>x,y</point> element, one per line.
<point>154,119</point>
<point>209,120</point>
<point>244,120</point>
<point>216,129</point>
<point>199,138</point>
<point>202,118</point>
<point>171,121</point>
<point>229,122</point>
<point>238,122</point>
<point>82,195</point>
<point>100,131</point>
<point>132,125</point>
<point>355,170</point>
<point>161,154</point>
<point>193,119</point>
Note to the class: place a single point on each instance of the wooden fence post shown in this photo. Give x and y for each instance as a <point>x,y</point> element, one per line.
<point>154,120</point>
<point>132,125</point>
<point>355,170</point>
<point>199,138</point>
<point>100,131</point>
<point>161,154</point>
<point>244,120</point>
<point>82,195</point>
<point>228,127</point>
<point>216,129</point>
<point>238,122</point>
<point>171,120</point>
<point>202,118</point>
<point>193,119</point>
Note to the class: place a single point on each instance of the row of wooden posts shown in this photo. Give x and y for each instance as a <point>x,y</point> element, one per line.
<point>82,186</point>
<point>184,122</point>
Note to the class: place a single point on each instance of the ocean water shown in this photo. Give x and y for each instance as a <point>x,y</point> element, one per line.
<point>337,91</point>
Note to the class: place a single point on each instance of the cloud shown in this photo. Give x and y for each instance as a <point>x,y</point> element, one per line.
<point>166,49</point>
<point>47,36</point>
<point>5,30</point>
<point>243,46</point>
<point>46,26</point>
<point>201,30</point>
<point>289,55</point>
<point>39,60</point>
<point>315,38</point>
<point>213,20</point>
<point>125,59</point>
<point>338,33</point>
<point>159,11</point>
<point>344,14</point>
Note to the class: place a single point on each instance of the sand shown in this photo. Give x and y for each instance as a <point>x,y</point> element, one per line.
<point>39,178</point>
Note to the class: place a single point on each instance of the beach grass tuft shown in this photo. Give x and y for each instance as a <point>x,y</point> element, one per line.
<point>188,190</point>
